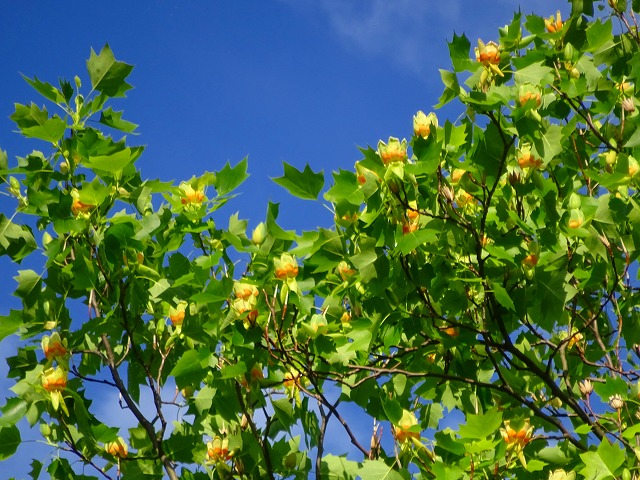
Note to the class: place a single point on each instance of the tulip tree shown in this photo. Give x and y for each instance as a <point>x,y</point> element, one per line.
<point>483,270</point>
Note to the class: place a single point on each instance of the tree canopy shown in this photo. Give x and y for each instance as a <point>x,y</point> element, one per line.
<point>474,303</point>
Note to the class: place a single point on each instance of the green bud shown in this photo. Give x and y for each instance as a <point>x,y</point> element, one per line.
<point>78,82</point>
<point>574,201</point>
<point>45,430</point>
<point>14,185</point>
<point>259,234</point>
<point>611,157</point>
<point>569,53</point>
<point>46,239</point>
<point>64,168</point>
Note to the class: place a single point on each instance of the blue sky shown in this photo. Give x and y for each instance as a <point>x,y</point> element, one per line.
<point>301,81</point>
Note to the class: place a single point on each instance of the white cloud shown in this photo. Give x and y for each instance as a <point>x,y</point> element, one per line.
<point>400,32</point>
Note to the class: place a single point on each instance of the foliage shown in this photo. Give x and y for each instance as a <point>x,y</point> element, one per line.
<point>483,270</point>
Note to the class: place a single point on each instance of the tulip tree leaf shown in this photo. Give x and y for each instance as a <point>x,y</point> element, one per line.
<point>113,119</point>
<point>306,184</point>
<point>107,74</point>
<point>9,441</point>
<point>229,178</point>
<point>36,123</point>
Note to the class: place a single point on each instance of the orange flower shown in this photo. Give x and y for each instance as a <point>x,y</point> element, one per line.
<point>118,448</point>
<point>530,261</point>
<point>245,291</point>
<point>191,196</point>
<point>422,123</point>
<point>218,449</point>
<point>517,439</point>
<point>394,151</point>
<point>54,379</point>
<point>286,267</point>
<point>553,24</point>
<point>405,430</point>
<point>488,54</point>
<point>54,346</point>
<point>527,160</point>
<point>177,313</point>
<point>526,96</point>
<point>345,271</point>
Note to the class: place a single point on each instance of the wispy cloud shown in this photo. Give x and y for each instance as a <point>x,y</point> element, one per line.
<point>400,32</point>
<point>411,33</point>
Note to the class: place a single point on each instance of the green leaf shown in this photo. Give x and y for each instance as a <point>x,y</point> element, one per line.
<point>550,143</point>
<point>13,411</point>
<point>603,463</point>
<point>28,285</point>
<point>481,426</point>
<point>9,441</point>
<point>333,467</point>
<point>46,90</point>
<point>17,241</point>
<point>191,365</point>
<point>9,324</point>
<point>459,49</point>
<point>535,74</point>
<point>306,184</point>
<point>113,119</point>
<point>378,470</point>
<point>229,178</point>
<point>502,296</point>
<point>114,162</point>
<point>107,74</point>
<point>34,122</point>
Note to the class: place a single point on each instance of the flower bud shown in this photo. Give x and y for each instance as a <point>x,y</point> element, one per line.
<point>633,167</point>
<point>259,233</point>
<point>560,474</point>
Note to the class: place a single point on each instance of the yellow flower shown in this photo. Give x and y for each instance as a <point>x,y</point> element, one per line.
<point>54,346</point>
<point>191,196</point>
<point>218,449</point>
<point>553,24</point>
<point>422,123</point>
<point>345,271</point>
<point>246,291</point>
<point>517,439</point>
<point>286,266</point>
<point>117,448</point>
<point>394,151</point>
<point>54,379</point>
<point>177,313</point>
<point>488,54</point>
<point>405,430</point>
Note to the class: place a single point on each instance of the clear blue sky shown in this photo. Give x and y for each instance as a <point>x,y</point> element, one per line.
<point>294,80</point>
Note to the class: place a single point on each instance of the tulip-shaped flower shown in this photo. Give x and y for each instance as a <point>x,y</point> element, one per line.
<point>407,429</point>
<point>422,124</point>
<point>393,151</point>
<point>286,267</point>
<point>190,195</point>
<point>516,440</point>
<point>218,450</point>
<point>118,448</point>
<point>552,24</point>
<point>54,381</point>
<point>54,347</point>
